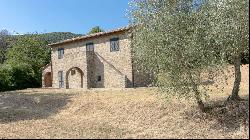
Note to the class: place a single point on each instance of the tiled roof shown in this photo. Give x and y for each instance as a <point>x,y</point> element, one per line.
<point>90,36</point>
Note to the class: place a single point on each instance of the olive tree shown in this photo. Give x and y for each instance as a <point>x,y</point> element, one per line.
<point>230,20</point>
<point>170,40</point>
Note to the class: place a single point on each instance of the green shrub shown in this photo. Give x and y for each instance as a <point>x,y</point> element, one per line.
<point>23,77</point>
<point>5,78</point>
<point>18,77</point>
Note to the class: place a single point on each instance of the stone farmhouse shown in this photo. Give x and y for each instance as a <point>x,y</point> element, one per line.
<point>101,60</point>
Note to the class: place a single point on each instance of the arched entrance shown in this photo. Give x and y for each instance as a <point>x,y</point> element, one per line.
<point>74,78</point>
<point>48,80</point>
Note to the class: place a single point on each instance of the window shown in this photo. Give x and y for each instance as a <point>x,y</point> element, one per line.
<point>89,47</point>
<point>99,78</point>
<point>73,72</point>
<point>60,79</point>
<point>114,44</point>
<point>60,53</point>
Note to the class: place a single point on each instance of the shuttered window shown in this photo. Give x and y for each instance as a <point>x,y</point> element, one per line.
<point>60,53</point>
<point>90,47</point>
<point>99,78</point>
<point>114,44</point>
<point>60,79</point>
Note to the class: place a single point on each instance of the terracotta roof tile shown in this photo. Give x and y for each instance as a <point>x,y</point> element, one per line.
<point>90,36</point>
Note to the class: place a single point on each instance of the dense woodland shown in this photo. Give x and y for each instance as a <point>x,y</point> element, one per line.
<point>23,56</point>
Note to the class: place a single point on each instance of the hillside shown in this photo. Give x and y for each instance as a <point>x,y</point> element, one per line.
<point>6,40</point>
<point>121,113</point>
<point>50,37</point>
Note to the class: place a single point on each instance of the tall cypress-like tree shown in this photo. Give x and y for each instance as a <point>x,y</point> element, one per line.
<point>96,29</point>
<point>3,45</point>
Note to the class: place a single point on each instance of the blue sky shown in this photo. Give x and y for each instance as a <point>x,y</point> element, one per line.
<point>77,16</point>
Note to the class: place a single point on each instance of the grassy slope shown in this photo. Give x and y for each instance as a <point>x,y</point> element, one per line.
<point>127,113</point>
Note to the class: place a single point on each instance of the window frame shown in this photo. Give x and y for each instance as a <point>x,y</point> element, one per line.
<point>60,53</point>
<point>114,48</point>
<point>89,50</point>
<point>60,79</point>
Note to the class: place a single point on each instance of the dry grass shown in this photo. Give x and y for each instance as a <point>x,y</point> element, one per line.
<point>116,113</point>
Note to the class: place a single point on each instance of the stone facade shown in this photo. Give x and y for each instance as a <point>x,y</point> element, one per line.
<point>101,68</point>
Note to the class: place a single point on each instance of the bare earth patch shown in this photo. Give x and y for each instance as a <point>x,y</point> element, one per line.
<point>120,113</point>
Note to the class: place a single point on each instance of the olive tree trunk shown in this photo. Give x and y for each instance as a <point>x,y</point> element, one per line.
<point>198,99</point>
<point>197,93</point>
<point>237,75</point>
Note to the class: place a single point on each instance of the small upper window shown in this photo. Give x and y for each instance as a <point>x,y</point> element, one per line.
<point>73,72</point>
<point>99,78</point>
<point>60,53</point>
<point>90,47</point>
<point>114,44</point>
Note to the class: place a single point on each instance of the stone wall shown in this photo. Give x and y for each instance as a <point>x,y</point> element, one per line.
<point>113,65</point>
<point>74,57</point>
<point>75,79</point>
<point>112,77</point>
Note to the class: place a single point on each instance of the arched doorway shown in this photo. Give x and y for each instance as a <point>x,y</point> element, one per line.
<point>74,78</point>
<point>48,79</point>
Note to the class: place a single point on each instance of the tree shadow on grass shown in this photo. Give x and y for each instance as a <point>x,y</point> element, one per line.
<point>26,106</point>
<point>230,115</point>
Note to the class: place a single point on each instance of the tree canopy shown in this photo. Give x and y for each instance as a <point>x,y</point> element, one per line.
<point>178,41</point>
<point>230,30</point>
<point>24,56</point>
<point>95,29</point>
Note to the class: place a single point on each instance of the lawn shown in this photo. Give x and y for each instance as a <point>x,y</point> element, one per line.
<point>121,113</point>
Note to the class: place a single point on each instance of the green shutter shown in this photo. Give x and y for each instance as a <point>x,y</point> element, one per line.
<point>114,44</point>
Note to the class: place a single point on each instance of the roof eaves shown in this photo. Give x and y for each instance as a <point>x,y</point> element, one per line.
<point>90,36</point>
